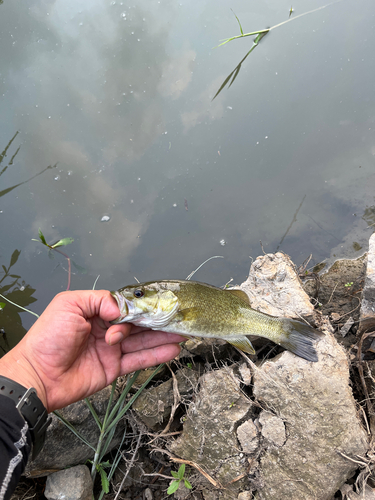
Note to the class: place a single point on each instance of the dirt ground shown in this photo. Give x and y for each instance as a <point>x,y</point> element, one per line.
<point>337,294</point>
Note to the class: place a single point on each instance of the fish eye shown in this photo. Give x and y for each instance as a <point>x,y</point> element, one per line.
<point>138,293</point>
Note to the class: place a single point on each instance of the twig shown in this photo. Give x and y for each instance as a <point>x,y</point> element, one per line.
<point>332,294</point>
<point>215,483</point>
<point>130,465</point>
<point>176,402</point>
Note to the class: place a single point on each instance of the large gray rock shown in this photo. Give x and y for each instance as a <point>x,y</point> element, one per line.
<point>274,287</point>
<point>209,438</point>
<point>316,405</point>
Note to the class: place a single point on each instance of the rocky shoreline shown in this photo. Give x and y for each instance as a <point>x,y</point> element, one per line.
<point>270,426</point>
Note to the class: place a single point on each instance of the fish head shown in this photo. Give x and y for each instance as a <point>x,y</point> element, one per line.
<point>151,305</point>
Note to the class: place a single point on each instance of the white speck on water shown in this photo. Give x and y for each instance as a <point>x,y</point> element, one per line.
<point>266,137</point>
<point>165,132</point>
<point>70,172</point>
<point>57,178</point>
<point>174,205</point>
<point>138,179</point>
<point>131,201</point>
<point>229,107</point>
<point>49,117</point>
<point>105,218</point>
<point>223,243</point>
<point>80,24</point>
<point>22,288</point>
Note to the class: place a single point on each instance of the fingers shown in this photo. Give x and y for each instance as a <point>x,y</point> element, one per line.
<point>117,333</point>
<point>148,340</point>
<point>150,357</point>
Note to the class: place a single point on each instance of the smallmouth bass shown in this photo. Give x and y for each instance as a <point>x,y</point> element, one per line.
<point>194,309</point>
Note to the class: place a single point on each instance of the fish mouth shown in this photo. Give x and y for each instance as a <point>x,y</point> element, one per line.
<point>123,305</point>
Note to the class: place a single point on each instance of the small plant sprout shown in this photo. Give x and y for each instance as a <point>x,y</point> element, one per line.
<point>55,247</point>
<point>179,477</point>
<point>349,284</point>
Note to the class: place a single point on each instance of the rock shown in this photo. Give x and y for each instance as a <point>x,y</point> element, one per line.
<point>349,323</point>
<point>62,448</point>
<point>209,435</point>
<point>274,287</point>
<point>70,484</point>
<point>273,428</point>
<point>368,294</point>
<point>349,494</point>
<point>245,495</point>
<point>247,434</point>
<point>154,405</point>
<point>245,373</point>
<point>316,404</point>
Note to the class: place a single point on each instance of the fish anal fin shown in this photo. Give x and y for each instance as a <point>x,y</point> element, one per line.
<point>240,294</point>
<point>242,343</point>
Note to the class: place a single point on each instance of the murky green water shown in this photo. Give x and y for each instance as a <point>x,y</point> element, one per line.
<point>116,97</point>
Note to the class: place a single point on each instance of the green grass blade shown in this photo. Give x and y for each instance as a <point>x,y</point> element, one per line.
<point>93,413</point>
<point>73,429</point>
<point>133,398</point>
<point>237,21</point>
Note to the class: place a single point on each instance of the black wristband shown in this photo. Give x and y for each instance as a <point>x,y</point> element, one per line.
<point>31,408</point>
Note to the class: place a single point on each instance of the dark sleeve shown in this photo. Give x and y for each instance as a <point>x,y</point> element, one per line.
<point>15,445</point>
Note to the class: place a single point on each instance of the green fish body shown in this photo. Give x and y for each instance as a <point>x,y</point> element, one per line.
<point>196,309</point>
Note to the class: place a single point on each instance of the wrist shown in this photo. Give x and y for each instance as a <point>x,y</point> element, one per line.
<point>19,369</point>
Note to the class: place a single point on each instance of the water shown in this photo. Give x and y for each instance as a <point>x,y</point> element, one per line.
<point>107,111</point>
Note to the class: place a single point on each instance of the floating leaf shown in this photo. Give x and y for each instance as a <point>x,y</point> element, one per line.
<point>2,305</point>
<point>173,487</point>
<point>62,243</point>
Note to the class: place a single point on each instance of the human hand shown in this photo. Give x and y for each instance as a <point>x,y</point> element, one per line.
<point>72,351</point>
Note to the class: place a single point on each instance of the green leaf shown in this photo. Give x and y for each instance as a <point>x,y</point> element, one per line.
<point>187,484</point>
<point>14,257</point>
<point>105,464</point>
<point>238,21</point>
<point>174,474</point>
<point>181,471</point>
<point>14,276</point>
<point>173,487</point>
<point>42,238</point>
<point>2,305</point>
<point>104,478</point>
<point>63,242</point>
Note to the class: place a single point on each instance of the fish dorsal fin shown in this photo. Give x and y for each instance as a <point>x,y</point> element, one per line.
<point>241,342</point>
<point>240,294</point>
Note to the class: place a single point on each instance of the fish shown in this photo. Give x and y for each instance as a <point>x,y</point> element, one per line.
<point>194,309</point>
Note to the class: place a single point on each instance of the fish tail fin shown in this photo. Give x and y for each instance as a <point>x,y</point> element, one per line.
<point>299,338</point>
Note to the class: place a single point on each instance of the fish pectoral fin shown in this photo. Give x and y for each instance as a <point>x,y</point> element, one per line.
<point>187,314</point>
<point>242,343</point>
